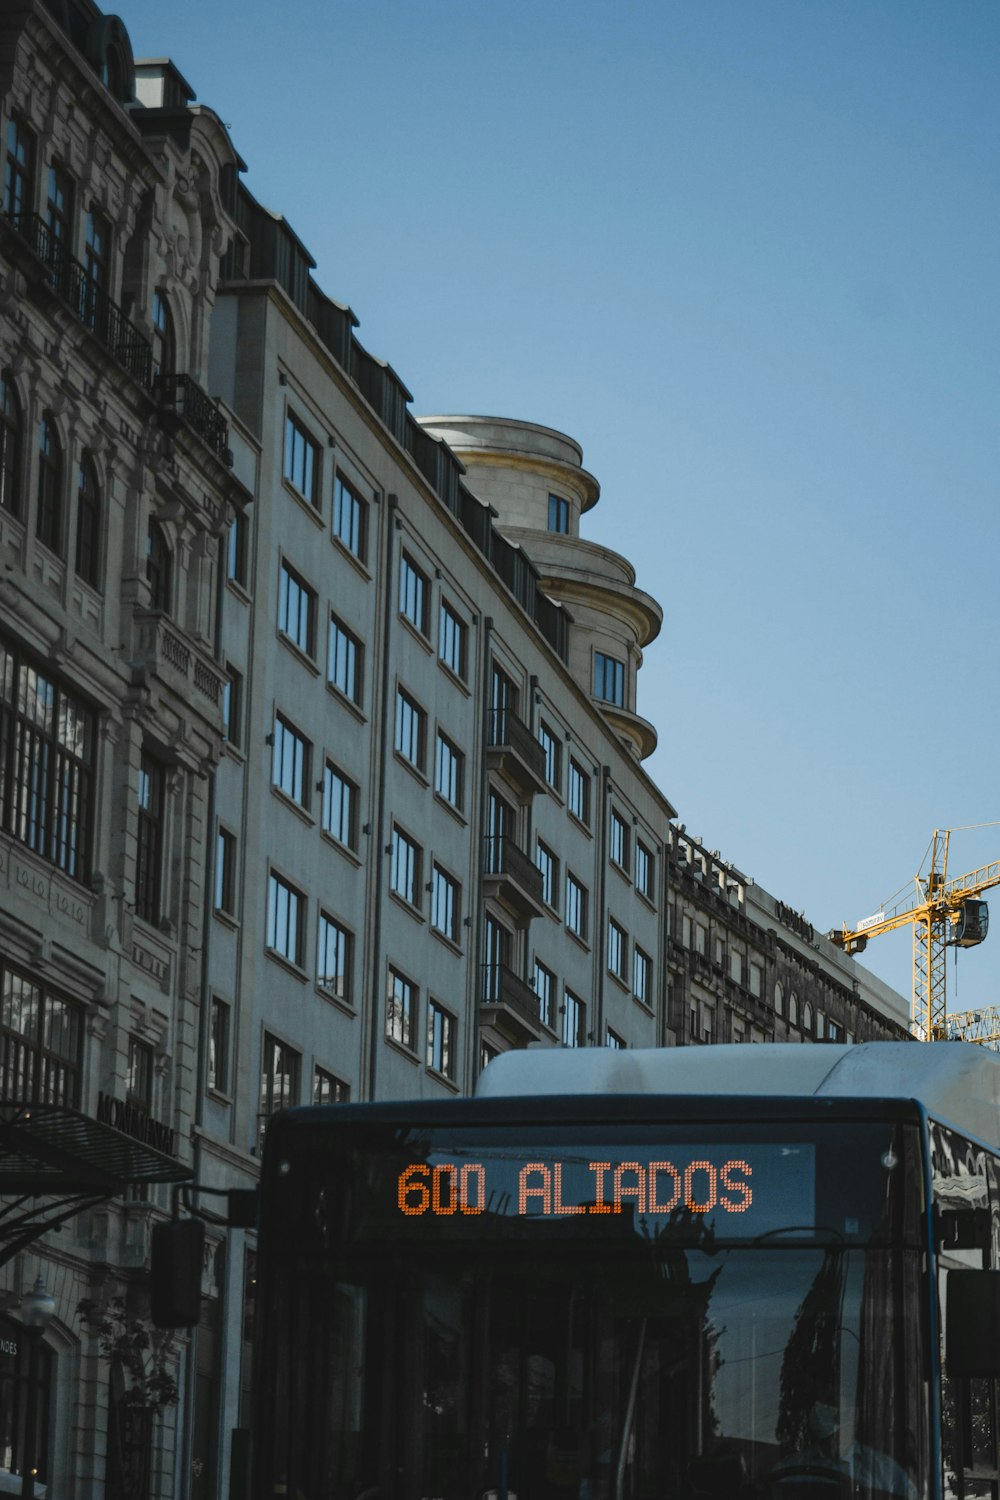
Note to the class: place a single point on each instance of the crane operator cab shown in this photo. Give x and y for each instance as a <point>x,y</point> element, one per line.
<point>972,924</point>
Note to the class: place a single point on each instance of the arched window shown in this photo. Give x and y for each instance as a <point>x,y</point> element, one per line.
<point>49,520</point>
<point>10,447</point>
<point>164,343</point>
<point>158,568</point>
<point>807,1017</point>
<point>793,1009</point>
<point>779,998</point>
<point>88,525</point>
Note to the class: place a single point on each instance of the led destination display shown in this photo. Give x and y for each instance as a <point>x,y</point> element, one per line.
<point>742,1190</point>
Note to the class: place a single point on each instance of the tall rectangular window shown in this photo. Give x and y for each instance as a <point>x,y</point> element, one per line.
<point>301,468</point>
<point>404,877</point>
<point>576,906</point>
<point>558,514</point>
<point>548,864</point>
<point>545,990</point>
<point>410,729</point>
<point>451,639</point>
<point>329,1089</point>
<point>139,1074</point>
<point>448,761</point>
<point>617,950</point>
<point>440,1040</point>
<point>642,972</point>
<point>297,610</point>
<point>47,765</point>
<point>573,1020</point>
<point>232,706</point>
<point>414,593</point>
<point>285,920</point>
<point>59,212</point>
<point>618,843</point>
<point>41,1042</point>
<point>446,903</point>
<point>149,838</point>
<point>401,1010</point>
<point>579,792</point>
<point>350,517</point>
<point>225,872</point>
<point>644,866</point>
<point>280,1073</point>
<point>340,806</point>
<point>218,1046</point>
<point>609,679</point>
<point>290,762</point>
<point>19,170</point>
<point>96,250</point>
<point>344,661</point>
<point>549,741</point>
<point>614,1041</point>
<point>236,550</point>
<point>333,958</point>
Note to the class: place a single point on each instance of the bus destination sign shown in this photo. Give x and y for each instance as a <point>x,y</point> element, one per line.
<point>743,1190</point>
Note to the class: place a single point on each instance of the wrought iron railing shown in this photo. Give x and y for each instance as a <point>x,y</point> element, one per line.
<point>503,857</point>
<point>185,396</point>
<point>501,986</point>
<point>507,730</point>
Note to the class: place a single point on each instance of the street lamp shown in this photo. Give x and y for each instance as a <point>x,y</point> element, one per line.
<point>36,1311</point>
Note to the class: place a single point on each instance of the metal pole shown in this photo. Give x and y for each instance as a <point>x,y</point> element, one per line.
<point>30,1417</point>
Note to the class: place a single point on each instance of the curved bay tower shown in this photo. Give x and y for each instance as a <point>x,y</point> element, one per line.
<point>534,480</point>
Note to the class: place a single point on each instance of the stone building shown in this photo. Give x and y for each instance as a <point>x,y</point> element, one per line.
<point>322,748</point>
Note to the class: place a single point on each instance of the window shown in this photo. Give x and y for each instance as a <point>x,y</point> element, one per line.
<point>333,959</point>
<point>545,991</point>
<point>401,1010</point>
<point>579,792</point>
<point>793,1009</point>
<point>609,679</point>
<point>405,874</point>
<point>48,520</point>
<point>451,639</point>
<point>440,1040</point>
<point>345,659</point>
<point>558,514</point>
<point>290,762</point>
<point>617,950</point>
<point>642,970</point>
<point>236,551</point>
<point>548,864</point>
<point>149,841</point>
<point>45,785</point>
<point>279,1080</point>
<point>297,610</point>
<point>553,755</point>
<point>19,170</point>
<point>410,729</point>
<point>576,906</point>
<point>88,525</point>
<point>285,920</point>
<point>503,701</point>
<point>232,706</point>
<point>757,980</point>
<point>340,806</point>
<point>164,342</point>
<point>414,593</point>
<point>301,460</point>
<point>643,870</point>
<point>225,872</point>
<point>97,243</point>
<point>500,823</point>
<point>619,842</point>
<point>59,214</point>
<point>329,1089</point>
<point>779,998</point>
<point>350,518</point>
<point>614,1041</point>
<point>139,1074</point>
<point>159,570</point>
<point>807,1016</point>
<point>573,1014</point>
<point>41,1042</point>
<point>446,903</point>
<point>218,1046</point>
<point>448,761</point>
<point>736,967</point>
<point>11,430</point>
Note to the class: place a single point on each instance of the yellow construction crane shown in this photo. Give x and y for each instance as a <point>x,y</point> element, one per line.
<point>982,1026</point>
<point>944,912</point>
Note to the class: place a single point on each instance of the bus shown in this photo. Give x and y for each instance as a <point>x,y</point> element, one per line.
<point>757,1273</point>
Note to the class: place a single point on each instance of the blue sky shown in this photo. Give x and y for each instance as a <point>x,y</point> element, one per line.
<point>746,252</point>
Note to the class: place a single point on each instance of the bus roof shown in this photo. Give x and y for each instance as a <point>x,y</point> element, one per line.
<point>955,1081</point>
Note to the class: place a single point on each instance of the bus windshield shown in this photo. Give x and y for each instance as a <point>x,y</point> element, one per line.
<point>616,1312</point>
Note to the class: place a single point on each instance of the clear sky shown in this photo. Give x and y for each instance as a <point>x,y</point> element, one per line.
<point>746,253</point>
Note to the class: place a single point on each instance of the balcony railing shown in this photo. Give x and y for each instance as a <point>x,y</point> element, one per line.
<point>89,302</point>
<point>502,987</point>
<point>181,394</point>
<point>520,755</point>
<point>503,857</point>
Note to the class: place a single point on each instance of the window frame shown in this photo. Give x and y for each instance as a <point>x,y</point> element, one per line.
<point>352,534</point>
<point>414,594</point>
<point>220,1020</point>
<point>619,842</point>
<point>442,881</point>
<point>573,1008</point>
<point>151,800</point>
<point>294,595</point>
<point>49,518</point>
<point>452,640</point>
<point>291,762</point>
<point>352,688</point>
<point>579,781</point>
<point>609,679</point>
<point>547,864</point>
<point>277,885</point>
<point>444,745</point>
<point>558,515</point>
<point>330,929</point>
<point>88,524</point>
<point>441,1040</point>
<point>271,1098</point>
<point>642,963</point>
<point>551,744</point>
<point>11,447</point>
<point>301,461</point>
<point>576,901</point>
<point>225,882</point>
<point>618,946</point>
<point>401,1024</point>
<point>349,792</point>
<point>406,862</point>
<point>410,730</point>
